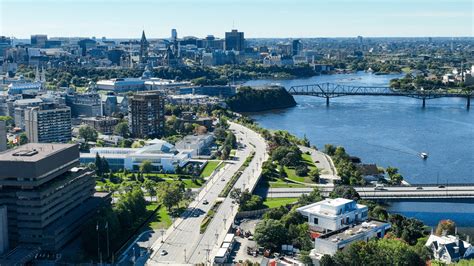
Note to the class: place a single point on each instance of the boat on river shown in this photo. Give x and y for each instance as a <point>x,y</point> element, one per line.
<point>424,155</point>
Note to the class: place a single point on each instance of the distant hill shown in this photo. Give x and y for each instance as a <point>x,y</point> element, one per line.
<point>250,99</point>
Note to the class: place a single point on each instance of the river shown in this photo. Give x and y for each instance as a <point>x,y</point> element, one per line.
<point>389,131</point>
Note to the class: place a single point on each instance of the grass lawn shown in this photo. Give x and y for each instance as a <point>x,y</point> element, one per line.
<point>161,219</point>
<point>188,183</point>
<point>283,184</point>
<point>277,202</point>
<point>291,173</point>
<point>211,166</point>
<point>406,69</point>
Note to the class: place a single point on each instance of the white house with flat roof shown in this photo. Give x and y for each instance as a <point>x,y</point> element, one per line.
<point>336,223</point>
<point>333,214</point>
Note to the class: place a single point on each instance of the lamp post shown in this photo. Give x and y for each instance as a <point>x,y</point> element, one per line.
<point>162,230</point>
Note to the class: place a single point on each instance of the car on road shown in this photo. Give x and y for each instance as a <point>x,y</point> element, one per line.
<point>222,179</point>
<point>164,253</point>
<point>379,187</point>
<point>441,186</point>
<point>419,188</point>
<point>205,202</point>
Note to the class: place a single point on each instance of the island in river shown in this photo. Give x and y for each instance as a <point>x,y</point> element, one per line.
<point>260,99</point>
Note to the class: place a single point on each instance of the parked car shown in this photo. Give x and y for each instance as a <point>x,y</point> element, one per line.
<point>164,253</point>
<point>205,202</point>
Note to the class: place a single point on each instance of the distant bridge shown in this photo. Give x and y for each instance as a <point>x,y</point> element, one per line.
<point>332,90</point>
<point>390,193</point>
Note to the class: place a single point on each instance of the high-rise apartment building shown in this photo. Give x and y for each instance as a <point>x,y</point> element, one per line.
<point>234,40</point>
<point>146,115</point>
<point>3,136</point>
<point>47,196</point>
<point>48,123</point>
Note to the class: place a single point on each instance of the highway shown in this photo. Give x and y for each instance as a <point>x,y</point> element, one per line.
<point>182,241</point>
<point>389,193</point>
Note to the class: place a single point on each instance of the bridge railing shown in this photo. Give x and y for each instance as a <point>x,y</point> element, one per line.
<point>331,89</point>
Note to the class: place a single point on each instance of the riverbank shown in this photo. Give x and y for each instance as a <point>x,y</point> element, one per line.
<point>389,131</point>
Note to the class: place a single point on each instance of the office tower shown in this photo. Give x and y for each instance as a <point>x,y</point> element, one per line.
<point>48,123</point>
<point>143,48</point>
<point>39,40</point>
<point>234,40</point>
<point>146,115</point>
<point>46,196</point>
<point>3,135</point>
<point>174,35</point>
<point>297,47</point>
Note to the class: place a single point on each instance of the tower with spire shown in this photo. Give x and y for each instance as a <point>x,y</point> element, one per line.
<point>143,48</point>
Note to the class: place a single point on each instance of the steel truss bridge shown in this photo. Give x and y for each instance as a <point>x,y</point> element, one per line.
<point>332,90</point>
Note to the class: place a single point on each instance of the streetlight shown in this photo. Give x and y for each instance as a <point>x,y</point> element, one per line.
<point>162,237</point>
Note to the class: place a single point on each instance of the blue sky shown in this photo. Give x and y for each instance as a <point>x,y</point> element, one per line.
<point>257,18</point>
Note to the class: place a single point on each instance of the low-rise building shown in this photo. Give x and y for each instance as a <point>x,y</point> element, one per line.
<point>85,104</point>
<point>336,223</point>
<point>333,214</point>
<point>103,124</point>
<point>162,155</point>
<point>197,144</point>
<point>449,249</point>
<point>121,84</point>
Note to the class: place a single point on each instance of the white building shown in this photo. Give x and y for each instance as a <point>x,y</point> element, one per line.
<point>449,249</point>
<point>336,223</point>
<point>161,154</point>
<point>121,84</point>
<point>333,214</point>
<point>198,144</point>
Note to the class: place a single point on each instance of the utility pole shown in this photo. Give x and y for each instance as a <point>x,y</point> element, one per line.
<point>98,243</point>
<point>108,244</point>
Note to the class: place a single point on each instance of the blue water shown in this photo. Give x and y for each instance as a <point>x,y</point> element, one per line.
<point>389,131</point>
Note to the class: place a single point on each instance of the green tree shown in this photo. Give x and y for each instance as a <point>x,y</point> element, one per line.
<point>327,260</point>
<point>23,139</point>
<point>122,129</point>
<point>88,133</point>
<point>314,175</point>
<point>171,194</point>
<point>329,149</point>
<point>9,121</point>
<point>346,192</point>
<point>98,165</point>
<point>312,197</point>
<point>146,167</point>
<point>150,187</point>
<point>271,234</point>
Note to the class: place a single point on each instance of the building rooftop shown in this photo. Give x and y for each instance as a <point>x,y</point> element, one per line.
<point>354,231</point>
<point>32,152</point>
<point>330,207</point>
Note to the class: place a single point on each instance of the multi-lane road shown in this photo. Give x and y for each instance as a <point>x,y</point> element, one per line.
<point>183,243</point>
<point>388,192</point>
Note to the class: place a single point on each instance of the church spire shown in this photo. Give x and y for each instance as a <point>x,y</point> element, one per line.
<point>143,48</point>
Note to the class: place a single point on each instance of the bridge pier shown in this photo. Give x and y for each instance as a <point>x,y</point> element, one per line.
<point>327,101</point>
<point>424,102</point>
<point>468,105</point>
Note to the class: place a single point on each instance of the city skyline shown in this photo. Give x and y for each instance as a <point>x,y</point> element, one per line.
<point>258,19</point>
